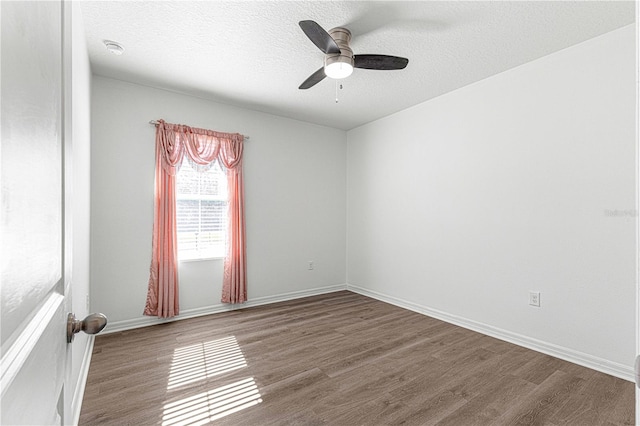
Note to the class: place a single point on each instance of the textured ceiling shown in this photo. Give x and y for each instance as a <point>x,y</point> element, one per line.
<point>254,54</point>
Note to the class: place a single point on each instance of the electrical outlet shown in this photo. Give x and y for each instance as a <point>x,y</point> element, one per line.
<point>534,298</point>
<point>310,267</point>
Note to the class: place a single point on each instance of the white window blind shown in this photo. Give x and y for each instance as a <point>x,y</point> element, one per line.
<point>201,208</point>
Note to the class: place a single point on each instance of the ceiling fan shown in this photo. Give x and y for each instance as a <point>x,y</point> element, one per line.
<point>339,60</point>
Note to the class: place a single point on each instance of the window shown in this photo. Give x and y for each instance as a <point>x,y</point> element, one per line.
<point>201,209</point>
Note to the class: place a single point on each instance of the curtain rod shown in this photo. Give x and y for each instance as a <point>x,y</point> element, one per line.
<point>154,122</point>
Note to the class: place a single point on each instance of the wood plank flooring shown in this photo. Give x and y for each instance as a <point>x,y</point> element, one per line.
<point>338,359</point>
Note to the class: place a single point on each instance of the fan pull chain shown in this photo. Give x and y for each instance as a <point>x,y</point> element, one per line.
<point>337,91</point>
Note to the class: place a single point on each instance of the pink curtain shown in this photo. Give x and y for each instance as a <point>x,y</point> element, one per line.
<point>173,141</point>
<point>234,287</point>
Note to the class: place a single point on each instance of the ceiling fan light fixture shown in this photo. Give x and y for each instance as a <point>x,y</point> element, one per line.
<point>338,70</point>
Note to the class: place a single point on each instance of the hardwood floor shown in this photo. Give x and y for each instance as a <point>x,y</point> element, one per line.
<point>339,359</point>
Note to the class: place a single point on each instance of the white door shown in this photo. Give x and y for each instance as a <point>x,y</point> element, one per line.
<point>34,298</point>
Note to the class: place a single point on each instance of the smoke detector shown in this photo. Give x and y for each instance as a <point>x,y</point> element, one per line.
<point>114,47</point>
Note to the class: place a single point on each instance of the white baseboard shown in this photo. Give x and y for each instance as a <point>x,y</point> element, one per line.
<point>214,309</point>
<point>78,394</point>
<point>609,367</point>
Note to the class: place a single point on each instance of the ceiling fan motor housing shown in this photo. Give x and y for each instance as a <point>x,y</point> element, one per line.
<point>342,37</point>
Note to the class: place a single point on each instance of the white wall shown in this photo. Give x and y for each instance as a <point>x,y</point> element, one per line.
<point>295,189</point>
<point>459,206</point>
<point>80,205</point>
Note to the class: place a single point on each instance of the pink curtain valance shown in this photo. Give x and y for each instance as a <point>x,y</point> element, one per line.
<point>202,146</point>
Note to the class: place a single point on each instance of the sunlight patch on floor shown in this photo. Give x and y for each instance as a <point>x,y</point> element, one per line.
<point>212,405</point>
<point>203,360</point>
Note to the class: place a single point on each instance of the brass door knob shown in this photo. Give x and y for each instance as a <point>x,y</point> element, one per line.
<point>92,324</point>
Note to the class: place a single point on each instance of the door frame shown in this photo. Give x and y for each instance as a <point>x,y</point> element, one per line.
<point>637,213</point>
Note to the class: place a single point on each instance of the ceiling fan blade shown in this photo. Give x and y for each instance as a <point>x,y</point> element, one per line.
<point>313,79</point>
<point>319,37</point>
<point>379,62</point>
